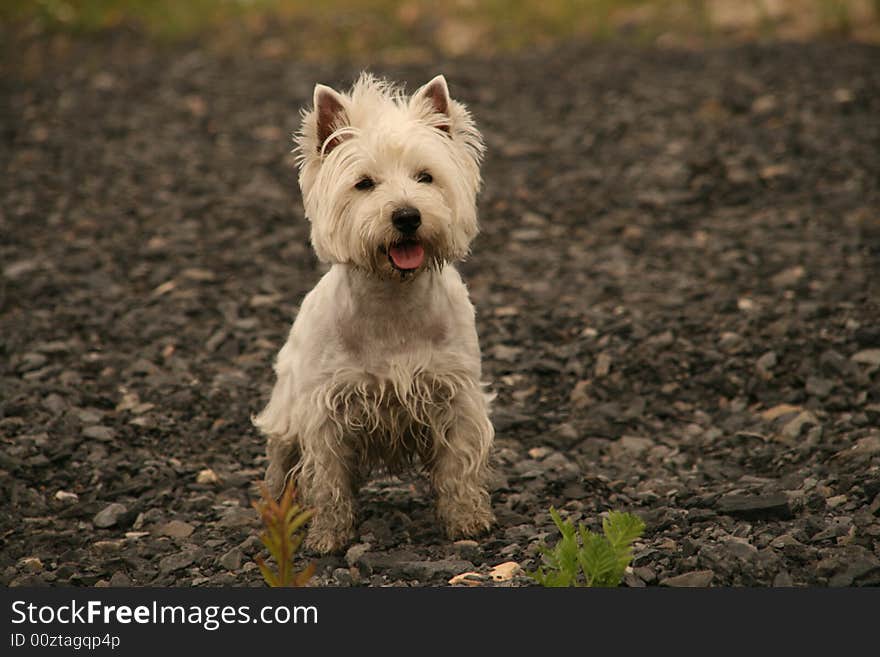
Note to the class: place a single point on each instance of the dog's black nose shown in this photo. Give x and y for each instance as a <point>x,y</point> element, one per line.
<point>406,220</point>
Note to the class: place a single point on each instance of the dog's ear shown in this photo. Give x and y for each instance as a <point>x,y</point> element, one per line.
<point>329,117</point>
<point>436,93</point>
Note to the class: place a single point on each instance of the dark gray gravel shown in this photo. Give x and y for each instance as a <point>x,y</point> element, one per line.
<point>677,289</point>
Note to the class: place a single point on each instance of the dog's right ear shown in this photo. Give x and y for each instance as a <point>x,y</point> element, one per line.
<point>330,117</point>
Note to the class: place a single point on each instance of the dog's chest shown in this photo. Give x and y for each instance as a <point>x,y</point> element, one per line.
<point>393,410</point>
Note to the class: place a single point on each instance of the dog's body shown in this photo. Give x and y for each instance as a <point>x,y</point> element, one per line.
<point>382,365</point>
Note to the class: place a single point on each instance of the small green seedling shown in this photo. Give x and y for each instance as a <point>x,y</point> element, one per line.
<point>584,558</point>
<point>284,521</point>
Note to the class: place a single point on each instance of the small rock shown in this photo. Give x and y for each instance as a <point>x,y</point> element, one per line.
<point>818,386</point>
<point>793,428</point>
<point>236,516</point>
<point>843,95</point>
<point>579,396</point>
<point>31,361</point>
<point>731,343</point>
<point>21,267</point>
<point>175,529</point>
<point>120,579</point>
<point>66,497</point>
<point>99,432</point>
<point>867,357</point>
<point>695,578</point>
<point>836,501</point>
<point>109,516</point>
<point>55,403</point>
<point>30,564</point>
<point>355,553</point>
<point>740,548</point>
<point>783,580</point>
<point>231,560</point>
<point>176,561</point>
<point>776,412</point>
<point>635,445</point>
<point>427,570</point>
<point>785,540</point>
<point>645,574</point>
<point>343,577</point>
<point>539,453</point>
<point>467,549</point>
<point>108,547</point>
<point>746,304</point>
<point>603,365</point>
<point>565,434</point>
<point>772,171</point>
<point>505,571</point>
<point>468,579</point>
<point>765,364</point>
<point>788,277</point>
<point>867,446</point>
<point>207,476</point>
<point>632,580</point>
<point>764,104</point>
<point>506,353</point>
<point>773,505</point>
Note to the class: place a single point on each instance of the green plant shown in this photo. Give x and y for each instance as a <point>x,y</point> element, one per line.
<point>284,522</point>
<point>584,558</point>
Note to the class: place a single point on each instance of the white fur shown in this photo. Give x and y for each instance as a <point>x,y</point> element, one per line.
<point>383,366</point>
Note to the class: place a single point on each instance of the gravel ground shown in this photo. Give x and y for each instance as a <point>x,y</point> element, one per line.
<point>677,284</point>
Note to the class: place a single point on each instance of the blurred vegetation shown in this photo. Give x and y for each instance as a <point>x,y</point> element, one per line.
<point>413,28</point>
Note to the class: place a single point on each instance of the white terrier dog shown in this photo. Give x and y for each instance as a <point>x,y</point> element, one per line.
<point>382,364</point>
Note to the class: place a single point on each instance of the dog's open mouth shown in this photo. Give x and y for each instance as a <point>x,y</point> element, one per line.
<point>406,255</point>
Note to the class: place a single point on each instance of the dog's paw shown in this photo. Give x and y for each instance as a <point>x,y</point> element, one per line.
<point>466,521</point>
<point>327,537</point>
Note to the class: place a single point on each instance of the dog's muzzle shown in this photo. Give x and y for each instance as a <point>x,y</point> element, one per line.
<point>406,254</point>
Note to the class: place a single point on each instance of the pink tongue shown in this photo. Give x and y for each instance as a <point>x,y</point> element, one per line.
<point>407,255</point>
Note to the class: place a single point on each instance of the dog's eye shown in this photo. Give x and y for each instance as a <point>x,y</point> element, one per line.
<point>425,177</point>
<point>365,183</point>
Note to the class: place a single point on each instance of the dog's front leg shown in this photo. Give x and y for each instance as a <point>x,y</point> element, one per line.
<point>325,477</point>
<point>460,467</point>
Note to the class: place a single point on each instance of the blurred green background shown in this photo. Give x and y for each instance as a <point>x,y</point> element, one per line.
<point>416,28</point>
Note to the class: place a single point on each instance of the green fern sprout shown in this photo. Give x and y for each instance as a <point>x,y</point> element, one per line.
<point>283,521</point>
<point>584,558</point>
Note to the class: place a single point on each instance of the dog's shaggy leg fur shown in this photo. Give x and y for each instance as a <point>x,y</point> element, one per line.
<point>324,476</point>
<point>460,467</point>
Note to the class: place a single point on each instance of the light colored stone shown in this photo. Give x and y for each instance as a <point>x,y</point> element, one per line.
<point>603,365</point>
<point>635,444</point>
<point>109,516</point>
<point>231,560</point>
<point>31,564</point>
<point>176,561</point>
<point>99,432</point>
<point>176,529</point>
<point>867,357</point>
<point>778,411</point>
<point>695,578</point>
<point>794,427</point>
<point>505,571</point>
<point>66,497</point>
<point>836,501</point>
<point>207,476</point>
<point>468,579</point>
<point>108,547</point>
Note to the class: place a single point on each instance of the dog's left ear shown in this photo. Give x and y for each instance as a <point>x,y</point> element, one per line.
<point>329,116</point>
<point>436,93</point>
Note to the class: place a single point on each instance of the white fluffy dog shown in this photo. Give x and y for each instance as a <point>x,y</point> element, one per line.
<point>382,365</point>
